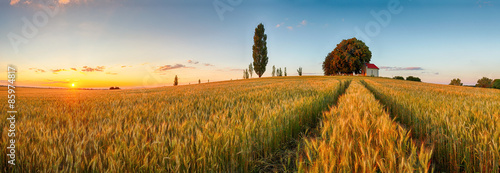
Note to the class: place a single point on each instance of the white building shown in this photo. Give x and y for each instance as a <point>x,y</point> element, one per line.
<point>370,70</point>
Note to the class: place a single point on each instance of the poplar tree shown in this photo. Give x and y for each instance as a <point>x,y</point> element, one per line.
<point>259,50</point>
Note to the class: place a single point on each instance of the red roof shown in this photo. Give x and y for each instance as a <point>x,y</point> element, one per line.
<point>368,65</point>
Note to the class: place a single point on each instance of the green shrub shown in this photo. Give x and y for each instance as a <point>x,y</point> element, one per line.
<point>496,83</point>
<point>411,78</point>
<point>399,77</point>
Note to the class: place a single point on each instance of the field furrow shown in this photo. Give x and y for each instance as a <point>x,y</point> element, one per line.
<point>359,136</point>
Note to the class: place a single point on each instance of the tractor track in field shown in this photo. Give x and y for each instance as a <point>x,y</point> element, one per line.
<point>389,107</point>
<point>284,160</point>
<point>318,135</point>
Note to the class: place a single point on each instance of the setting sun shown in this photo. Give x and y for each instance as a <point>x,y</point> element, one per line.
<point>73,85</point>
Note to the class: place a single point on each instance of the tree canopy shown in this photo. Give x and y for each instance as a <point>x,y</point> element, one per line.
<point>484,82</point>
<point>176,81</point>
<point>274,71</point>
<point>349,56</point>
<point>250,70</point>
<point>299,71</point>
<point>412,78</point>
<point>259,50</point>
<point>399,77</point>
<point>456,82</point>
<point>496,83</point>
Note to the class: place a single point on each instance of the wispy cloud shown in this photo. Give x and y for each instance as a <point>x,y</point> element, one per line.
<point>55,71</point>
<point>169,67</point>
<point>63,1</point>
<point>14,2</point>
<point>433,73</point>
<point>280,24</point>
<point>90,69</point>
<point>303,23</point>
<point>400,68</point>
<point>37,70</point>
<point>197,62</point>
<point>193,62</point>
<point>45,2</point>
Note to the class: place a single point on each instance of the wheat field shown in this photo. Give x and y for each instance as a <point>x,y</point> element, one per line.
<point>244,125</point>
<point>462,123</point>
<point>357,135</point>
<point>216,127</point>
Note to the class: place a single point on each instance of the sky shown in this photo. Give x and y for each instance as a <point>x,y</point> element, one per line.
<point>132,43</point>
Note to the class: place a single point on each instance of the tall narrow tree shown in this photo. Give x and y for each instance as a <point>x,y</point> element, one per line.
<point>299,71</point>
<point>176,81</point>
<point>245,74</point>
<point>250,70</point>
<point>259,50</point>
<point>285,71</point>
<point>274,71</point>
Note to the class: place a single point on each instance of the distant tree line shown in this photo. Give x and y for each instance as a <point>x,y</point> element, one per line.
<point>409,78</point>
<point>246,75</point>
<point>278,72</point>
<point>483,83</point>
<point>488,83</point>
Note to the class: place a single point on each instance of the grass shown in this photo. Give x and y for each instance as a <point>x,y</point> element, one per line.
<point>359,136</point>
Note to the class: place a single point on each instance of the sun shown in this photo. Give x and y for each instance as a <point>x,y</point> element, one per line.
<point>73,85</point>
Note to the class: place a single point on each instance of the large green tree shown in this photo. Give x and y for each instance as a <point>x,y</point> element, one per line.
<point>259,50</point>
<point>349,56</point>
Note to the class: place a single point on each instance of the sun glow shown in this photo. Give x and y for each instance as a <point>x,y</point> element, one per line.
<point>73,85</point>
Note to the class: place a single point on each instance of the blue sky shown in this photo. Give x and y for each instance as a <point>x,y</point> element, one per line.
<point>146,43</point>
